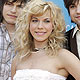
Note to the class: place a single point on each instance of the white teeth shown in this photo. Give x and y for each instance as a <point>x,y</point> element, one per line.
<point>40,33</point>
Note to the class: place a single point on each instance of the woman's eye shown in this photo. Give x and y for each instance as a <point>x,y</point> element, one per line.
<point>34,20</point>
<point>47,21</point>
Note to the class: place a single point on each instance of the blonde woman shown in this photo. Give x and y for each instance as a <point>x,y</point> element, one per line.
<point>39,41</point>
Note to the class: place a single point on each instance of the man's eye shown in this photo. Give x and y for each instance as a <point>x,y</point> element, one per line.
<point>20,6</point>
<point>34,20</point>
<point>72,6</point>
<point>8,3</point>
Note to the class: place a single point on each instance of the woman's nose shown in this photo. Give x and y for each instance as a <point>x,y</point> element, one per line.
<point>40,24</point>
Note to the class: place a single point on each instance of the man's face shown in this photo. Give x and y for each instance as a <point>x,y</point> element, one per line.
<point>75,13</point>
<point>11,11</point>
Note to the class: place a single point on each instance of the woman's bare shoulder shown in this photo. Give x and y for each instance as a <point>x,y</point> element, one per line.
<point>15,59</point>
<point>67,56</point>
<point>64,52</point>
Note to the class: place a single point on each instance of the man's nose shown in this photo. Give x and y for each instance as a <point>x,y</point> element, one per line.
<point>13,10</point>
<point>78,9</point>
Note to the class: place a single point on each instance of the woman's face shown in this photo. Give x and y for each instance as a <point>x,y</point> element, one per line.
<point>41,26</point>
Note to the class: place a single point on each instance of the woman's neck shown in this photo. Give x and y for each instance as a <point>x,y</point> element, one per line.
<point>40,44</point>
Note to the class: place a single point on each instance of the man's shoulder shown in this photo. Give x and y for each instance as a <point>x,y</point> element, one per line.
<point>3,28</point>
<point>69,32</point>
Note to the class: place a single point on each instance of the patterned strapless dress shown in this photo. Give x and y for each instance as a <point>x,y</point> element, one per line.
<point>36,74</point>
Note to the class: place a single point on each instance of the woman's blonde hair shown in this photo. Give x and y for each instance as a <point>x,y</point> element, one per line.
<point>23,38</point>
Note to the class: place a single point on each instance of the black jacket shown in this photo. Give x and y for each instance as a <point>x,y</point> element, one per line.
<point>71,46</point>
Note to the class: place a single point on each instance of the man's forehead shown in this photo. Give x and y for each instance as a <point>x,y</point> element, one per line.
<point>75,1</point>
<point>17,1</point>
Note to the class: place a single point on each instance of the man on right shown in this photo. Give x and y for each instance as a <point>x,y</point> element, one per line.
<point>73,35</point>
